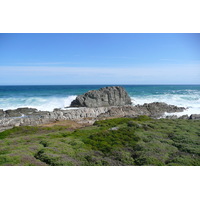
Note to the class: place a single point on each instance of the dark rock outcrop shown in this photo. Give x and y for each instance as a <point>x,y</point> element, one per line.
<point>157,109</point>
<point>104,97</point>
<point>12,113</point>
<point>20,112</point>
<point>195,116</point>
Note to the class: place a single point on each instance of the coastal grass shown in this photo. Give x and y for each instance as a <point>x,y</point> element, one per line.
<point>140,141</point>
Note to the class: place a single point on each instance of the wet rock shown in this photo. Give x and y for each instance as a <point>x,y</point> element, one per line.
<point>108,96</point>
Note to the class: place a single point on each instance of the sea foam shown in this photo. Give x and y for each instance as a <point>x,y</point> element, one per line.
<point>40,103</point>
<point>47,98</point>
<point>189,100</point>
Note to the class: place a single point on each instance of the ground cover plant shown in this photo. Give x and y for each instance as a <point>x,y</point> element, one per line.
<point>139,141</point>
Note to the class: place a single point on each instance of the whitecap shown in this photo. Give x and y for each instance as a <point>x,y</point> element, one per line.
<point>190,100</point>
<point>40,103</point>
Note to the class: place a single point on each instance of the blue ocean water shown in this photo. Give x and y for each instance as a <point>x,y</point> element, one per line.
<point>60,96</point>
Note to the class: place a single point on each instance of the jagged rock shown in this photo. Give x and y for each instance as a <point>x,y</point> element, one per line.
<point>157,109</point>
<point>194,116</point>
<point>83,114</point>
<point>108,96</point>
<point>154,110</point>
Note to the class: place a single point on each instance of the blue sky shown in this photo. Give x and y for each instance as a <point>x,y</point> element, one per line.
<point>42,59</point>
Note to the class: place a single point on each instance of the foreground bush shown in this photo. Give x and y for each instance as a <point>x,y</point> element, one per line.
<point>123,141</point>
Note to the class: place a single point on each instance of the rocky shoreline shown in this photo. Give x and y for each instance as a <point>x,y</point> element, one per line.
<point>108,102</point>
<point>33,117</point>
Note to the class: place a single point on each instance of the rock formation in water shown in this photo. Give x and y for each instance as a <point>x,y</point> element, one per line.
<point>95,105</point>
<point>104,97</point>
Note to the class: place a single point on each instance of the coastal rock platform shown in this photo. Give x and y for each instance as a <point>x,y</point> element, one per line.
<point>33,117</point>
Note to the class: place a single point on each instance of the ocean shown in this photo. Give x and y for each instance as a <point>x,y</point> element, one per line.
<point>60,96</point>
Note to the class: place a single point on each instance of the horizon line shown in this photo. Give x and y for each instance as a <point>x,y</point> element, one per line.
<point>100,84</point>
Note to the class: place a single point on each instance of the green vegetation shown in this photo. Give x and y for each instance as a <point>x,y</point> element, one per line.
<point>122,141</point>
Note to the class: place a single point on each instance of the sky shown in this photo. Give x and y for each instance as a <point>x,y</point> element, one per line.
<point>70,59</point>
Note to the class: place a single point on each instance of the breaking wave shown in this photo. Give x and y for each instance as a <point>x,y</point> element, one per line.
<point>47,98</point>
<point>40,103</point>
<point>189,100</point>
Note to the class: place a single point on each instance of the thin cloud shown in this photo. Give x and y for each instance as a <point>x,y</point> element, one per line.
<point>168,59</point>
<point>48,63</point>
<point>115,57</point>
<point>131,75</point>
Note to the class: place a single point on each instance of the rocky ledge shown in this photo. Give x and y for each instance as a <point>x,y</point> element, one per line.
<point>33,117</point>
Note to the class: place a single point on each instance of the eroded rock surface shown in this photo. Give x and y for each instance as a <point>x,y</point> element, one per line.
<point>157,109</point>
<point>33,117</point>
<point>104,97</point>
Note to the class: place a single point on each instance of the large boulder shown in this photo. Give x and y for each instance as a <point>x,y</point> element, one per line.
<point>108,96</point>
